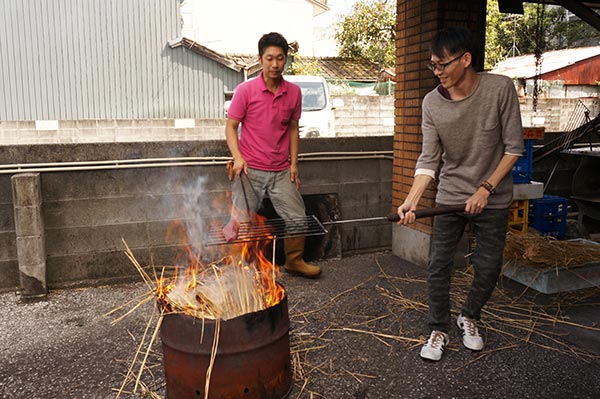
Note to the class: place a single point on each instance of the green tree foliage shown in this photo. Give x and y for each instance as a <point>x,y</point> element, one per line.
<point>302,66</point>
<point>576,33</point>
<point>368,32</point>
<point>509,35</point>
<point>494,46</point>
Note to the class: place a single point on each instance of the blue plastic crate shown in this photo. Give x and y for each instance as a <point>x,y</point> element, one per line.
<point>548,215</point>
<point>523,169</point>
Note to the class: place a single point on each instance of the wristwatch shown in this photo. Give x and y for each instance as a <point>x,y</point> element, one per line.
<point>488,186</point>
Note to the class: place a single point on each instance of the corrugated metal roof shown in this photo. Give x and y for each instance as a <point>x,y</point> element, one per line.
<point>524,66</point>
<point>98,59</point>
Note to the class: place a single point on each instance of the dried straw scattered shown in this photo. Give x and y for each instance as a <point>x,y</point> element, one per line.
<point>518,321</point>
<point>510,320</point>
<point>545,251</point>
<point>514,320</point>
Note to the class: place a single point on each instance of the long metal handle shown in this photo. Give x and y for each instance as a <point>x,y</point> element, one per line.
<point>428,212</point>
<point>393,217</point>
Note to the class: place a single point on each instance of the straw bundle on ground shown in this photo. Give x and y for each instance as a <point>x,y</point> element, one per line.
<point>544,251</point>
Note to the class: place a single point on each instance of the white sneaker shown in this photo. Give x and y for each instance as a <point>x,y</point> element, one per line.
<point>434,348</point>
<point>471,337</point>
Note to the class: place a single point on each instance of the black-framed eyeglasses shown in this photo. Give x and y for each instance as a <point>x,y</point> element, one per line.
<point>432,66</point>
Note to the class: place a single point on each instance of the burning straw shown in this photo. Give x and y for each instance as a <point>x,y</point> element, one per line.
<point>222,291</point>
<point>240,283</point>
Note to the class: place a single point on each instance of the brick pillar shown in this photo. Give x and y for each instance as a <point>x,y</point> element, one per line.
<point>416,24</point>
<point>29,226</point>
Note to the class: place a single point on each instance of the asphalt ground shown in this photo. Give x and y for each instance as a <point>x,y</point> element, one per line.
<point>355,333</point>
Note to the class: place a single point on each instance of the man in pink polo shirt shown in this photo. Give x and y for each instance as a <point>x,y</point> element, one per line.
<point>265,156</point>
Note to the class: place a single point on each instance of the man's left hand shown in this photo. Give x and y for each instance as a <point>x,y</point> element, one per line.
<point>477,202</point>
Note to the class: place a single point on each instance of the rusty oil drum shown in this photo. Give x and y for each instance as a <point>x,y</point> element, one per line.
<point>253,357</point>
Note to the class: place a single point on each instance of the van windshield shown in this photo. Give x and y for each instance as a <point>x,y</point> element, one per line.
<point>313,95</point>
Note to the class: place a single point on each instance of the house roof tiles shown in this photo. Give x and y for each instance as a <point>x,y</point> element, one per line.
<point>332,68</point>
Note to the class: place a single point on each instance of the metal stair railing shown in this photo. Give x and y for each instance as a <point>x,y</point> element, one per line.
<point>578,126</point>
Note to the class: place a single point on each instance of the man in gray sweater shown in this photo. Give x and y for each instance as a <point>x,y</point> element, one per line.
<point>472,137</point>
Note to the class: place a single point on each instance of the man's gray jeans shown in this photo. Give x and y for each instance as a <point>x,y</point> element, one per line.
<point>249,191</point>
<point>489,228</point>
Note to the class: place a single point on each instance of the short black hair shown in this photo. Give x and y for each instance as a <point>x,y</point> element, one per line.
<point>272,39</point>
<point>454,41</point>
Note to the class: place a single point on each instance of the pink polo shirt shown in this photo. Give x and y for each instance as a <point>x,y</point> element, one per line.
<point>265,118</point>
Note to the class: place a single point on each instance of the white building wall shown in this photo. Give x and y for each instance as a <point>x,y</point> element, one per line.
<point>235,26</point>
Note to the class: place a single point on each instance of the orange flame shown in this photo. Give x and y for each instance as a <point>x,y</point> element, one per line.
<point>193,273</point>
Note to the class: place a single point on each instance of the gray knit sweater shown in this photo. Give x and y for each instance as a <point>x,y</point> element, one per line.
<point>469,137</point>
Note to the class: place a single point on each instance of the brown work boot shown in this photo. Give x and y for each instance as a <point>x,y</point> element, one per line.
<point>294,264</point>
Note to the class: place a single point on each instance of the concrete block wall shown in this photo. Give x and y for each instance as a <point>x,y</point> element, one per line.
<point>365,116</point>
<point>363,189</point>
<point>87,213</point>
<point>360,116</point>
<point>8,236</point>
<point>109,131</point>
<point>558,112</point>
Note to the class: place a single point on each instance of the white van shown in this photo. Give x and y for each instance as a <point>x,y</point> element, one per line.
<point>318,117</point>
